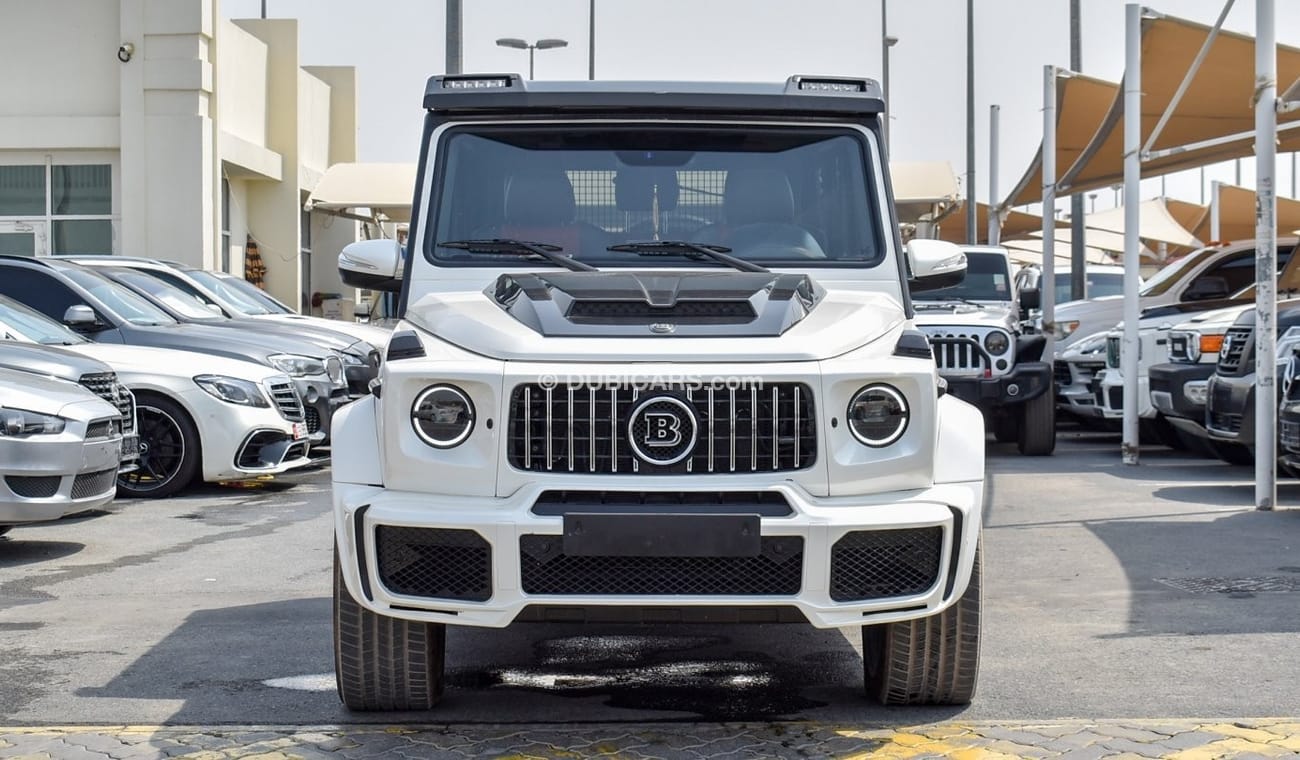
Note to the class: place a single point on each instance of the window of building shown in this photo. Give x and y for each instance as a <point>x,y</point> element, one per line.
<point>73,201</point>
<point>304,255</point>
<point>225,224</point>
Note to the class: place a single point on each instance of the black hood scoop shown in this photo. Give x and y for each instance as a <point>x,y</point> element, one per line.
<point>647,304</point>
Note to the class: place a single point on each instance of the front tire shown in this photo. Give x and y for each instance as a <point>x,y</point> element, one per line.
<point>384,663</point>
<point>930,661</point>
<point>170,449</point>
<point>1038,426</point>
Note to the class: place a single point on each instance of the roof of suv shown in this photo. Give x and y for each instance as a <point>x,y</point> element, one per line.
<point>798,95</point>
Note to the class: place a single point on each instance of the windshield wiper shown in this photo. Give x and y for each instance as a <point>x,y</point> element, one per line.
<point>716,253</point>
<point>546,251</point>
<point>940,299</point>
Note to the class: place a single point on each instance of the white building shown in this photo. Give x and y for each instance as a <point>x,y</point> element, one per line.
<point>158,128</point>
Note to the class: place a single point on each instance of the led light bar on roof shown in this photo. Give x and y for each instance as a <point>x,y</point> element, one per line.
<point>493,83</point>
<point>833,85</point>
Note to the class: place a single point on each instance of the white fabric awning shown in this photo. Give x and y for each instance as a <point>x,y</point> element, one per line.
<point>384,189</point>
<point>1030,251</point>
<point>924,191</point>
<point>1105,229</point>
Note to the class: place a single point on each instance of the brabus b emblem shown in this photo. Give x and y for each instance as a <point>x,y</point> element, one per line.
<point>661,430</point>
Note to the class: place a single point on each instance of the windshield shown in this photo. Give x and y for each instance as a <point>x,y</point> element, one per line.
<point>119,299</point>
<point>167,295</point>
<point>1098,284</point>
<point>34,325</point>
<point>252,293</point>
<point>986,279</point>
<point>1169,276</point>
<point>771,196</point>
<point>233,298</point>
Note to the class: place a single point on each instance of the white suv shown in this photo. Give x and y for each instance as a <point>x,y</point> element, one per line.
<point>656,361</point>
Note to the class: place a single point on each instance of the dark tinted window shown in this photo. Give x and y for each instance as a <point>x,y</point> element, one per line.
<point>39,290</point>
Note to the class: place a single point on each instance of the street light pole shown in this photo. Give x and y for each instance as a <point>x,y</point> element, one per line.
<point>544,44</point>
<point>591,39</point>
<point>1078,281</point>
<point>972,233</point>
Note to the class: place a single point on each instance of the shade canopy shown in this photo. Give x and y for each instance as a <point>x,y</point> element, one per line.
<point>924,191</point>
<point>384,189</point>
<point>1030,251</point>
<point>1081,105</point>
<point>1016,223</point>
<point>1237,215</point>
<point>1216,106</point>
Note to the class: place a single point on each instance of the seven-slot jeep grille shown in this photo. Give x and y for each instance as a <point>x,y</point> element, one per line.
<point>776,571</point>
<point>584,428</point>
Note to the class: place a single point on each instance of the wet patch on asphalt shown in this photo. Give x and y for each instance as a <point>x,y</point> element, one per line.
<point>659,673</point>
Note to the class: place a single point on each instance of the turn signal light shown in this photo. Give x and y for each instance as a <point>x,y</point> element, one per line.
<point>1210,344</point>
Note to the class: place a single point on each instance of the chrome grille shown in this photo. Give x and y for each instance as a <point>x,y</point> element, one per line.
<point>286,400</point>
<point>958,352</point>
<point>584,428</point>
<point>105,385</point>
<point>1235,342</point>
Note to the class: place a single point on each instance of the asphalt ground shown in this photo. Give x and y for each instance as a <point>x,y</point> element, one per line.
<point>1150,598</point>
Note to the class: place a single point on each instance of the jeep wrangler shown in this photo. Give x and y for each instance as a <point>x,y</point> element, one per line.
<point>655,362</point>
<point>983,354</point>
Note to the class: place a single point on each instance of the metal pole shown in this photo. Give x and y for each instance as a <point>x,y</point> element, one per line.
<point>591,40</point>
<point>1214,210</point>
<point>454,31</point>
<point>884,71</point>
<point>1265,256</point>
<point>1202,185</point>
<point>1293,192</point>
<point>1237,180</point>
<point>531,49</point>
<point>263,8</point>
<point>1047,291</point>
<point>995,220</point>
<point>1078,233</point>
<point>1130,447</point>
<point>972,219</point>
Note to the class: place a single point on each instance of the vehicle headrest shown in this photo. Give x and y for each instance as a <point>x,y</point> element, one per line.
<point>540,198</point>
<point>757,197</point>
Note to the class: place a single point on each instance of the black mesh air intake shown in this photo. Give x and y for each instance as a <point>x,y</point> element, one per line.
<point>880,564</point>
<point>435,562</point>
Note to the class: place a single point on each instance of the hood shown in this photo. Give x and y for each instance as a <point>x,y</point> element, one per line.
<point>37,359</point>
<point>650,316</point>
<point>234,344</point>
<point>979,313</point>
<point>48,395</point>
<point>375,336</point>
<point>165,362</point>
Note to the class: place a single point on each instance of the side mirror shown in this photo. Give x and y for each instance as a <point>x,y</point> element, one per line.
<point>935,264</point>
<point>81,318</point>
<point>372,264</point>
<point>1030,299</point>
<point>1206,288</point>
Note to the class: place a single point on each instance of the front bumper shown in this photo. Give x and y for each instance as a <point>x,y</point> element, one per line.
<point>501,538</point>
<point>1074,392</point>
<point>1230,408</point>
<point>1168,395</point>
<point>1108,395</point>
<point>1026,382</point>
<point>233,436</point>
<point>46,477</point>
<point>1288,426</point>
<point>320,399</point>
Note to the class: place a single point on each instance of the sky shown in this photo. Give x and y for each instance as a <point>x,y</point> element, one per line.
<point>397,44</point>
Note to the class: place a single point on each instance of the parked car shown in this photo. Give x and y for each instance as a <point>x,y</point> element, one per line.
<point>236,297</point>
<point>1073,372</point>
<point>1288,417</point>
<point>202,418</point>
<point>1211,274</point>
<point>1230,392</point>
<point>95,375</point>
<point>60,448</point>
<point>1101,280</point>
<point>974,327</point>
<point>360,359</point>
<point>107,312</point>
<point>1178,387</point>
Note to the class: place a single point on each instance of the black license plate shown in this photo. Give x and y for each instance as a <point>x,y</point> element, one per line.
<point>661,535</point>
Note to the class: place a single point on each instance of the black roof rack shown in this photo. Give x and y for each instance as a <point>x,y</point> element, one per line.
<point>800,95</point>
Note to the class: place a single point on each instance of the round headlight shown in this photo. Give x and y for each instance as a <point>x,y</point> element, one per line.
<point>878,415</point>
<point>996,342</point>
<point>442,416</point>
